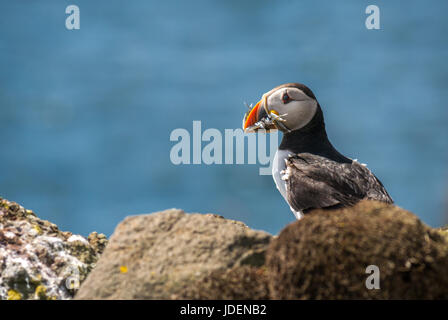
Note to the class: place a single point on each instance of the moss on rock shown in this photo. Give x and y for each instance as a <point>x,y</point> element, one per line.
<point>325,255</point>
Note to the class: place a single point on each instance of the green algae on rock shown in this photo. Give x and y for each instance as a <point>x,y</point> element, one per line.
<point>38,260</point>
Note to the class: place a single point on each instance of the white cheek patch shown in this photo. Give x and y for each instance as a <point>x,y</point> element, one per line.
<point>297,113</point>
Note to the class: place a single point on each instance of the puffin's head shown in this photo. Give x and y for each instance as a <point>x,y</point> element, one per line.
<point>287,107</point>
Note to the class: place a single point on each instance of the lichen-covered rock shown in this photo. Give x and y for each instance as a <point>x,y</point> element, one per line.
<point>157,256</point>
<point>98,241</point>
<point>37,260</point>
<point>325,256</point>
<point>444,231</point>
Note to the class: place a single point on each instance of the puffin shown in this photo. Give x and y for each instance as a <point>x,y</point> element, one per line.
<point>307,169</point>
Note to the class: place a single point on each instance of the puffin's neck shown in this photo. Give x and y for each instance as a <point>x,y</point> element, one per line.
<point>312,139</point>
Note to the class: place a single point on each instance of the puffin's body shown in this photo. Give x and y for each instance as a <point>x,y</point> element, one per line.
<point>308,171</point>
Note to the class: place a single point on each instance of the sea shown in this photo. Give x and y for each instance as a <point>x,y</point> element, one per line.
<point>86,114</point>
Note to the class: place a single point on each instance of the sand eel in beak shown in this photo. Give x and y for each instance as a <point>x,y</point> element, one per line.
<point>308,171</point>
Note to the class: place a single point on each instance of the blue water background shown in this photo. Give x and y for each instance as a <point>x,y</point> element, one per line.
<point>86,115</point>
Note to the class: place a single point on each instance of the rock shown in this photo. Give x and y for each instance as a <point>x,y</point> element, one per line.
<point>325,256</point>
<point>98,241</point>
<point>444,231</point>
<point>157,256</point>
<point>38,260</point>
<point>238,283</point>
<point>174,255</point>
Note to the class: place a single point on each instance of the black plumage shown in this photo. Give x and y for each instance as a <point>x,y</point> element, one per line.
<point>314,181</point>
<point>317,175</point>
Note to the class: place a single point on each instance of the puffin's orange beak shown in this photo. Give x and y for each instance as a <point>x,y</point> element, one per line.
<point>252,118</point>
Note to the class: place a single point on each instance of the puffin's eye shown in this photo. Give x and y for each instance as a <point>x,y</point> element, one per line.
<point>285,97</point>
